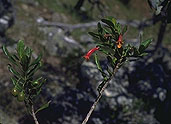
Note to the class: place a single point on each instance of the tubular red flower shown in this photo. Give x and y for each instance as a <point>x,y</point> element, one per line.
<point>119,42</point>
<point>87,56</point>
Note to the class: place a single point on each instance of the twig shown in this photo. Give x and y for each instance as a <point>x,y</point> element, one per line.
<point>161,34</point>
<point>34,115</point>
<point>101,93</point>
<point>133,23</point>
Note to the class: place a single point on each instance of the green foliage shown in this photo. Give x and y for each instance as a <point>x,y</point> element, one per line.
<point>43,106</point>
<point>109,39</point>
<point>144,45</point>
<point>23,67</point>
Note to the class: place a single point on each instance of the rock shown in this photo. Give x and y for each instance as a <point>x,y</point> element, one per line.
<point>31,2</point>
<point>6,16</point>
<point>57,44</point>
<point>59,17</point>
<point>161,93</point>
<point>122,100</point>
<point>90,71</point>
<point>5,119</point>
<point>85,39</point>
<point>97,121</point>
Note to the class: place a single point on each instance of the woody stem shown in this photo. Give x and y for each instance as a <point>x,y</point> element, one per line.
<point>34,115</point>
<point>101,93</point>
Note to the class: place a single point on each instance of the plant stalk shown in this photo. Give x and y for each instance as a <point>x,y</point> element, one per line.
<point>101,93</point>
<point>34,115</point>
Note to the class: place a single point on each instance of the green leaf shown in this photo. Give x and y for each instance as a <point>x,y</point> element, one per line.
<point>108,22</point>
<point>99,66</point>
<point>112,61</point>
<point>13,71</point>
<point>102,38</point>
<point>28,53</point>
<point>144,45</point>
<point>126,50</point>
<point>113,20</point>
<point>25,62</point>
<point>94,34</point>
<point>118,28</point>
<point>20,48</point>
<point>16,57</point>
<point>4,49</point>
<point>97,63</point>
<point>33,70</point>
<point>124,29</point>
<point>109,71</point>
<point>43,107</point>
<point>16,83</point>
<point>37,60</point>
<point>107,49</point>
<point>100,29</point>
<point>143,54</point>
<point>10,57</point>
<point>135,52</point>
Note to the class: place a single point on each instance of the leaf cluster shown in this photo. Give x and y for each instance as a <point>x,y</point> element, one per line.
<point>23,67</point>
<point>106,38</point>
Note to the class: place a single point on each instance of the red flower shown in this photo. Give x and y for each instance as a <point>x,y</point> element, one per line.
<point>120,41</point>
<point>87,56</point>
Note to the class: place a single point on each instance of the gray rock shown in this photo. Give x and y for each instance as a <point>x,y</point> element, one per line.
<point>90,71</point>
<point>5,119</point>
<point>57,43</point>
<point>6,16</point>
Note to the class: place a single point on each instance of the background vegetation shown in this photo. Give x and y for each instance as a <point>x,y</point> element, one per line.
<point>139,94</point>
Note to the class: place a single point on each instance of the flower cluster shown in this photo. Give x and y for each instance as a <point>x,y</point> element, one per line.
<point>119,44</point>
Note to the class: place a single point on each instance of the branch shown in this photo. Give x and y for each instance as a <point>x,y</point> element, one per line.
<point>34,115</point>
<point>101,93</point>
<point>161,34</point>
<point>68,26</point>
<point>133,23</point>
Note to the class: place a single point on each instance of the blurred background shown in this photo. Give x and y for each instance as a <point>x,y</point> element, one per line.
<point>140,93</point>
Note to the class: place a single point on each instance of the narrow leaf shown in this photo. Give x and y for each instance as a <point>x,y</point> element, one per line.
<point>16,83</point>
<point>37,60</point>
<point>143,54</point>
<point>10,57</point>
<point>124,29</point>
<point>20,48</point>
<point>113,20</point>
<point>100,29</point>
<point>4,49</point>
<point>98,63</point>
<point>108,22</point>
<point>43,107</point>
<point>33,70</point>
<point>144,45</point>
<point>109,71</point>
<point>13,71</point>
<point>112,61</point>
<point>93,34</point>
